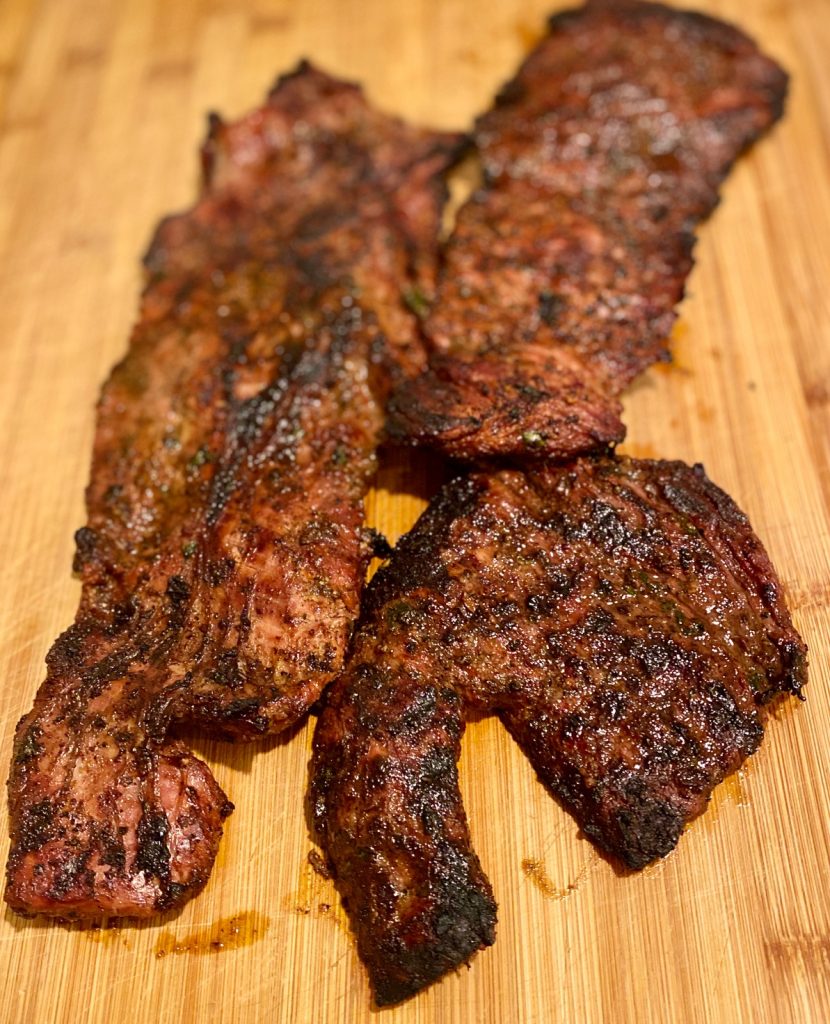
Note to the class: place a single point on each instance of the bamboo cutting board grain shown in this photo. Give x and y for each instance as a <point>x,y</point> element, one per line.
<point>102,106</point>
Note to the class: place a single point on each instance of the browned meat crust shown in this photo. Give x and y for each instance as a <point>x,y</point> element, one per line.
<point>600,157</point>
<point>622,619</point>
<point>224,553</point>
<point>541,396</point>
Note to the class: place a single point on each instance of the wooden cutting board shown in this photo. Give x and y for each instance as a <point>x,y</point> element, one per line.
<point>102,106</point>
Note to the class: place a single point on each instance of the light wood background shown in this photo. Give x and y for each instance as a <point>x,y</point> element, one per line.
<point>102,105</point>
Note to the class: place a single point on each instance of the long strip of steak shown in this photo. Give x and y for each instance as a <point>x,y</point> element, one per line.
<point>626,624</point>
<point>224,554</point>
<point>564,269</point>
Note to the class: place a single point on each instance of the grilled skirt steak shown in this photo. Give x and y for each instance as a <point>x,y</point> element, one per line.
<point>224,553</point>
<point>625,623</point>
<point>564,269</point>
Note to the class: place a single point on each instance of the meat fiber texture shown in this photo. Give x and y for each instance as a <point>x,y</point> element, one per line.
<point>561,278</point>
<point>627,626</point>
<point>224,553</point>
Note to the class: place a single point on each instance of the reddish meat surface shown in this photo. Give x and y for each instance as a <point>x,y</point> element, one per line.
<point>224,552</point>
<point>562,275</point>
<point>625,623</point>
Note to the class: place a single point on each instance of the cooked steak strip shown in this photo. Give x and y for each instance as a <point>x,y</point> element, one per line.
<point>224,553</point>
<point>599,159</point>
<point>386,799</point>
<point>622,619</point>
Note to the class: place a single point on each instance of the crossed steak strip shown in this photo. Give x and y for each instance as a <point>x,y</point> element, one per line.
<point>563,272</point>
<point>622,619</point>
<point>224,554</point>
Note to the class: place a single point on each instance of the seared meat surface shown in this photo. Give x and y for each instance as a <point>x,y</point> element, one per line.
<point>224,553</point>
<point>563,272</point>
<point>622,619</point>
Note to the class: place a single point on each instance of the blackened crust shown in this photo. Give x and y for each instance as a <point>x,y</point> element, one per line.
<point>622,619</point>
<point>388,810</point>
